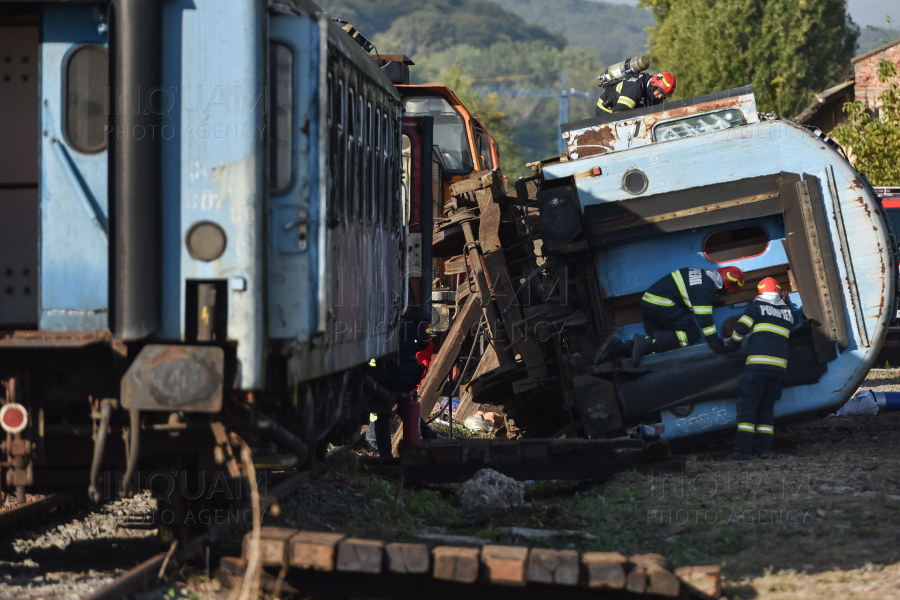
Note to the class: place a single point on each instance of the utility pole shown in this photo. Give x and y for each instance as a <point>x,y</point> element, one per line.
<point>563,94</point>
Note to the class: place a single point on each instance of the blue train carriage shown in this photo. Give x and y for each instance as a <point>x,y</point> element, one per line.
<point>216,246</point>
<point>706,182</point>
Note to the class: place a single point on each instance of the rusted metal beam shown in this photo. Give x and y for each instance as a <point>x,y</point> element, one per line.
<point>443,361</point>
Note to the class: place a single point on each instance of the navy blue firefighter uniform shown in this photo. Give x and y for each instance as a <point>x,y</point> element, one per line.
<point>768,322</point>
<point>625,95</point>
<point>667,306</point>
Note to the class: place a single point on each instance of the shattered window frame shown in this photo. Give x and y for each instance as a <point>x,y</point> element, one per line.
<point>687,126</point>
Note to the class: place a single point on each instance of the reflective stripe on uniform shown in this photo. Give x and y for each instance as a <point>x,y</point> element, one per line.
<point>703,310</point>
<point>372,417</point>
<point>746,427</point>
<point>760,359</point>
<point>626,101</point>
<point>711,330</point>
<point>657,300</point>
<point>682,338</point>
<point>603,108</point>
<point>736,336</point>
<point>746,320</point>
<point>679,281</point>
<point>765,429</point>
<point>772,329</point>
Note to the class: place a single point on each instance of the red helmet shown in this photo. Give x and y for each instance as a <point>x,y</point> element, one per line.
<point>768,285</point>
<point>664,81</point>
<point>732,279</point>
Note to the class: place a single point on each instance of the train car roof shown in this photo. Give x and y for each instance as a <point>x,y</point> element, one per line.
<point>342,41</point>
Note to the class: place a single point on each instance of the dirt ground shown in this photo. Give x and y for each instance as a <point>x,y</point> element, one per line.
<point>818,520</point>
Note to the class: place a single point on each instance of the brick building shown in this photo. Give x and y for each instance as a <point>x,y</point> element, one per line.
<point>825,111</point>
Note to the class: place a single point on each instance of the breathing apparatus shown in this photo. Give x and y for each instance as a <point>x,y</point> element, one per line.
<point>625,69</point>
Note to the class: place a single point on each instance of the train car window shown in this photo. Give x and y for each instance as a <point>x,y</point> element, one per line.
<point>370,166</point>
<point>379,166</point>
<point>449,131</point>
<point>352,209</point>
<point>483,145</point>
<point>86,84</point>
<point>361,156</point>
<point>735,244</point>
<point>406,175</point>
<point>281,103</point>
<point>339,146</point>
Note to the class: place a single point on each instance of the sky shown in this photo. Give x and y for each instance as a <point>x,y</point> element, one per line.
<point>864,12</point>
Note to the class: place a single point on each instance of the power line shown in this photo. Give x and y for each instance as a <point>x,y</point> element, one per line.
<point>563,94</point>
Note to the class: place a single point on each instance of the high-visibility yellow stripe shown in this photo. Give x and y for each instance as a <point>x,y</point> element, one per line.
<point>736,336</point>
<point>768,327</point>
<point>760,359</point>
<point>626,101</point>
<point>619,87</point>
<point>679,281</point>
<point>711,330</point>
<point>603,108</point>
<point>703,310</point>
<point>682,338</point>
<point>765,429</point>
<point>746,427</point>
<point>372,417</point>
<point>658,300</point>
<point>746,320</point>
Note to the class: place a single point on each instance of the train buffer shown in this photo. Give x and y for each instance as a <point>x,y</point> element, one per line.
<point>313,563</point>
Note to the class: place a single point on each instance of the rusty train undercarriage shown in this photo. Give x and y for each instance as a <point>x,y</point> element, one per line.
<point>531,300</point>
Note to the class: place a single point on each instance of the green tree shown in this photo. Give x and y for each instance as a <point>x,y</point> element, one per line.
<point>788,49</point>
<point>874,142</point>
<point>533,121</point>
<point>494,120</point>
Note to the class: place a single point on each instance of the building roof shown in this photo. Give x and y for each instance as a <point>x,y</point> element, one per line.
<point>821,100</point>
<point>877,50</point>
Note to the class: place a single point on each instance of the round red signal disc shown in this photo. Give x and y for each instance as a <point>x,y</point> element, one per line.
<point>13,417</point>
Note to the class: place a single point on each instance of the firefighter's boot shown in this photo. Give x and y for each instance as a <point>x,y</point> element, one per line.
<point>743,445</point>
<point>762,445</point>
<point>643,344</point>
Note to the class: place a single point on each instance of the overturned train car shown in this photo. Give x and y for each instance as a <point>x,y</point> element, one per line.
<point>703,182</point>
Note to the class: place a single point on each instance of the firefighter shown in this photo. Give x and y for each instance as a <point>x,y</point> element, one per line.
<point>636,91</point>
<point>768,322</point>
<point>666,311</point>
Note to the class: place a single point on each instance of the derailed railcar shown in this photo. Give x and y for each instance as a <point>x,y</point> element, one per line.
<point>702,182</point>
<point>217,246</point>
<point>707,182</point>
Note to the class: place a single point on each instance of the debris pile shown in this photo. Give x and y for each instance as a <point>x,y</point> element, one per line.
<point>489,491</point>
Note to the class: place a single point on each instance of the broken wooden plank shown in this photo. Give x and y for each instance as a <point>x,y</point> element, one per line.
<point>360,556</point>
<point>408,558</point>
<point>706,579</point>
<point>636,580</point>
<point>443,361</point>
<point>554,567</point>
<point>505,564</point>
<point>273,545</point>
<point>605,569</point>
<point>312,550</point>
<point>660,579</point>
<point>456,564</point>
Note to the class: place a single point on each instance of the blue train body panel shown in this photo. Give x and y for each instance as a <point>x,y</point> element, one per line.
<point>759,148</point>
<point>73,207</point>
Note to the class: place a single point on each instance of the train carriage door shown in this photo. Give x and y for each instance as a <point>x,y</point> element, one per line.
<point>297,175</point>
<point>19,135</point>
<point>74,118</point>
<point>417,148</point>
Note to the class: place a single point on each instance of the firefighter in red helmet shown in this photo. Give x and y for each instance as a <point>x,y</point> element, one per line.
<point>767,322</point>
<point>637,91</point>
<point>666,309</point>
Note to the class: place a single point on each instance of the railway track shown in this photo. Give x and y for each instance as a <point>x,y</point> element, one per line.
<point>147,574</point>
<point>12,518</point>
